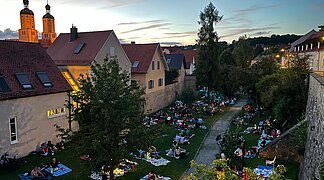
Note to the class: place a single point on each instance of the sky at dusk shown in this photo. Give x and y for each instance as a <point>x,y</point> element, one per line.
<point>169,21</point>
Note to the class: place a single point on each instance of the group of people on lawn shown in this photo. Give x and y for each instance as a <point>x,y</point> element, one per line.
<point>267,131</point>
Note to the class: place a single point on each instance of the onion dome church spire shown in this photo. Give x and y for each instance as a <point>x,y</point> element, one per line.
<point>27,33</point>
<point>48,25</point>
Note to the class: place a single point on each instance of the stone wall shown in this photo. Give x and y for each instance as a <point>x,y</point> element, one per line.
<point>162,98</point>
<point>314,153</point>
<point>283,147</point>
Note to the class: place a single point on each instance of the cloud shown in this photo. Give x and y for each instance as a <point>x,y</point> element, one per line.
<point>141,22</point>
<point>318,5</point>
<point>8,34</point>
<point>256,8</point>
<point>103,3</point>
<point>170,43</point>
<point>147,27</point>
<point>247,30</point>
<point>181,33</point>
<point>260,33</point>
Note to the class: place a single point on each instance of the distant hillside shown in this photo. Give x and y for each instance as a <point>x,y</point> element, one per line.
<point>274,40</point>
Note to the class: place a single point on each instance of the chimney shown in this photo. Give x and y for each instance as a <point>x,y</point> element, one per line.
<point>321,28</point>
<point>73,33</point>
<point>133,42</point>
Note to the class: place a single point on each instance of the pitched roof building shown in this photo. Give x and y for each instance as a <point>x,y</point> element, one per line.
<point>148,69</point>
<point>74,52</point>
<point>33,94</point>
<point>27,61</point>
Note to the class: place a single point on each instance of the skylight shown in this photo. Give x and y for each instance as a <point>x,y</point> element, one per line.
<point>135,64</point>
<point>3,85</point>
<point>24,81</point>
<point>78,48</point>
<point>44,79</point>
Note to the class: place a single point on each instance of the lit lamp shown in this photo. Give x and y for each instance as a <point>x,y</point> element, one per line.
<point>277,56</point>
<point>282,50</point>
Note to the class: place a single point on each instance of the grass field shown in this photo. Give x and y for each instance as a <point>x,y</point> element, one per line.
<point>81,170</point>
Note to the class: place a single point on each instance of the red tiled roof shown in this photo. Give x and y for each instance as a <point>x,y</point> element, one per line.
<point>189,54</point>
<point>29,58</point>
<point>61,51</point>
<point>141,52</point>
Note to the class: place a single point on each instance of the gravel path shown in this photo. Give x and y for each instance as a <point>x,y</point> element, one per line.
<point>209,149</point>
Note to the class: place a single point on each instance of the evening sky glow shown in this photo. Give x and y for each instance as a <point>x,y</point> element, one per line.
<point>169,21</point>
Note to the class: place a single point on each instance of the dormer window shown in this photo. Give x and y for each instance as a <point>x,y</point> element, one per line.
<point>24,81</point>
<point>42,76</point>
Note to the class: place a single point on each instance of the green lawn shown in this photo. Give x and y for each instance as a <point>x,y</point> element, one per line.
<point>252,139</point>
<point>82,171</point>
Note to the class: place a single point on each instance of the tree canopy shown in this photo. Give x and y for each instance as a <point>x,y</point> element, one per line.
<point>207,65</point>
<point>109,114</point>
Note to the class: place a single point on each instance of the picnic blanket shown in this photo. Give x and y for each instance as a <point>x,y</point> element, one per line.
<point>29,177</point>
<point>157,162</point>
<point>61,170</point>
<point>160,177</point>
<point>264,171</point>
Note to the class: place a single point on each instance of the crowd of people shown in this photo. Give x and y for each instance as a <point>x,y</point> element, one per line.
<point>266,129</point>
<point>49,148</point>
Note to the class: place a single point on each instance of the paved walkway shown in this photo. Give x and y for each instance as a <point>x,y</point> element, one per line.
<point>209,149</point>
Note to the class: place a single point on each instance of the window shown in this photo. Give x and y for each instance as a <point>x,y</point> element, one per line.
<point>3,85</point>
<point>112,51</point>
<point>158,65</point>
<point>44,79</point>
<point>13,130</point>
<point>168,61</point>
<point>78,48</point>
<point>151,84</point>
<point>24,81</point>
<point>71,81</point>
<point>135,64</point>
<point>56,112</point>
<point>153,67</point>
<point>160,83</point>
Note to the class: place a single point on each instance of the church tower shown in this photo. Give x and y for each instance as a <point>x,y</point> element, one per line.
<point>27,33</point>
<point>48,26</point>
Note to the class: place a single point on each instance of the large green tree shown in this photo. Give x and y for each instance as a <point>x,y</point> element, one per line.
<point>208,64</point>
<point>243,53</point>
<point>109,114</point>
<point>285,92</point>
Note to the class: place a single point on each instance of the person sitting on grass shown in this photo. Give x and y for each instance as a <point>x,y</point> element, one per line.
<point>177,152</point>
<point>60,146</point>
<point>183,140</point>
<point>177,138</point>
<point>152,176</point>
<point>54,164</point>
<point>51,147</point>
<point>45,149</point>
<point>36,173</point>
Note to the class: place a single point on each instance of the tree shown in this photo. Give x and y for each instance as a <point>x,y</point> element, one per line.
<point>109,116</point>
<point>171,76</point>
<point>285,92</point>
<point>208,65</point>
<point>243,53</point>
